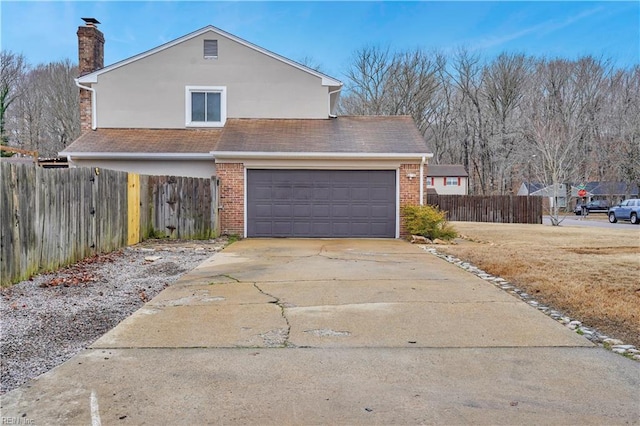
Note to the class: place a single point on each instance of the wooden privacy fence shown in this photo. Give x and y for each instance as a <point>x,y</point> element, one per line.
<point>492,208</point>
<point>178,207</point>
<point>53,217</point>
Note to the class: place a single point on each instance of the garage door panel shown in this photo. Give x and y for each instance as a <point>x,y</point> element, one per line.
<point>302,210</point>
<point>380,193</point>
<point>340,193</point>
<point>359,229</point>
<point>341,211</point>
<point>360,211</point>
<point>282,228</point>
<point>360,194</point>
<point>262,192</point>
<point>341,229</point>
<point>303,192</point>
<point>321,228</point>
<point>281,211</point>
<point>263,210</point>
<point>322,193</point>
<point>378,228</point>
<point>281,192</point>
<point>263,227</point>
<point>321,203</point>
<point>321,211</point>
<point>302,229</point>
<point>379,211</point>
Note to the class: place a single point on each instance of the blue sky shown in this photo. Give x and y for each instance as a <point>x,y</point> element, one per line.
<point>329,32</point>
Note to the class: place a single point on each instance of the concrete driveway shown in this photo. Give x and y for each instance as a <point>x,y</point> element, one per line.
<point>334,332</point>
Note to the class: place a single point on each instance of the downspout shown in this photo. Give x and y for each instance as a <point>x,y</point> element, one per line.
<point>424,159</point>
<point>331,93</point>
<point>94,113</point>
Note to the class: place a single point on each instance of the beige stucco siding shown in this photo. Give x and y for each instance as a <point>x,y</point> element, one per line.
<point>442,189</point>
<point>189,168</point>
<point>150,92</point>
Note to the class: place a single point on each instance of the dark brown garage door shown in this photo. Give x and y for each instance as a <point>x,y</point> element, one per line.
<point>321,203</point>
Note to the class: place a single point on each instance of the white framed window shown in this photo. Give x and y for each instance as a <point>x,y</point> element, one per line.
<point>451,181</point>
<point>430,181</point>
<point>206,106</point>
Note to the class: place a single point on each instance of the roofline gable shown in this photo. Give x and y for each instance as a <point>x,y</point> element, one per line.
<point>93,76</point>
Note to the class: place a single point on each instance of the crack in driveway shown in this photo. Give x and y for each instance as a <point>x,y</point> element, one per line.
<point>278,337</point>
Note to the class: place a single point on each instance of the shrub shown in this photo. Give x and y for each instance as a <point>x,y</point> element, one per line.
<point>428,221</point>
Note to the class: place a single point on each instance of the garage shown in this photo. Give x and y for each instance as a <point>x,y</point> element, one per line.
<point>321,203</point>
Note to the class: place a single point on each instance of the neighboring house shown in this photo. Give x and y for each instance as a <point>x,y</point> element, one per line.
<point>551,196</point>
<point>448,179</point>
<point>210,104</point>
<point>613,192</point>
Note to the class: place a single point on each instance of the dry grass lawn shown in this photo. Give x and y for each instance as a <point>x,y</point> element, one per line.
<point>590,274</point>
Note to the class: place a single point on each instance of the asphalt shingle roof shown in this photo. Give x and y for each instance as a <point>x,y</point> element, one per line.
<point>445,170</point>
<point>146,141</point>
<point>351,134</point>
<point>362,134</point>
<point>610,188</point>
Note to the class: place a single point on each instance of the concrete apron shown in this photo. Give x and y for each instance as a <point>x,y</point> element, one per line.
<point>334,331</point>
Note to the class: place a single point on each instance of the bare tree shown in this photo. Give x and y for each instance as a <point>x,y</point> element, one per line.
<point>411,85</point>
<point>12,68</point>
<point>555,128</point>
<point>367,82</point>
<point>441,117</point>
<point>625,107</point>
<point>577,118</point>
<point>467,77</point>
<point>46,115</point>
<point>504,83</point>
<point>27,115</point>
<point>61,101</point>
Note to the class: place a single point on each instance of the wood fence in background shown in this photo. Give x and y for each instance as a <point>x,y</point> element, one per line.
<point>54,217</point>
<point>493,208</point>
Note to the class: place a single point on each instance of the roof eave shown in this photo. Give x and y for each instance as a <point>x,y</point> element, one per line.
<point>137,155</point>
<point>319,155</point>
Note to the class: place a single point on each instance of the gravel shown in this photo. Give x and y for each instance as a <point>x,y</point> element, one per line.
<point>51,317</point>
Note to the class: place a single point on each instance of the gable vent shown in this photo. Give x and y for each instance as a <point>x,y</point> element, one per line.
<point>210,49</point>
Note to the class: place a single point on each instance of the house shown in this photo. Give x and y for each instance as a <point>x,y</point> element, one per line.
<point>552,195</point>
<point>448,179</point>
<point>613,192</point>
<point>212,105</point>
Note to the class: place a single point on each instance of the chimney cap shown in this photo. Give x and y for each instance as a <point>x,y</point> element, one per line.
<point>91,22</point>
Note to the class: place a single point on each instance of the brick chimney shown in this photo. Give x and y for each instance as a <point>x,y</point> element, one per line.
<point>90,58</point>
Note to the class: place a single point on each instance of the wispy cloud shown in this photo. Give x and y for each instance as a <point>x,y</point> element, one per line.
<point>542,29</point>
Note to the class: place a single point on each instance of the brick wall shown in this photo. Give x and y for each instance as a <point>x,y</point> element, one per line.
<point>409,191</point>
<point>231,177</point>
<point>90,58</point>
<point>85,110</point>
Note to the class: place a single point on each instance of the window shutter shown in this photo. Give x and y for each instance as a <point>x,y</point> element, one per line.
<point>210,49</point>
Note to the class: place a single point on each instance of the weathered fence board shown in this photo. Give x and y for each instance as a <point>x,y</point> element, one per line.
<point>54,217</point>
<point>179,207</point>
<point>493,208</point>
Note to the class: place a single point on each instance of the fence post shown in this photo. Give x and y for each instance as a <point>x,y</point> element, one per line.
<point>133,208</point>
